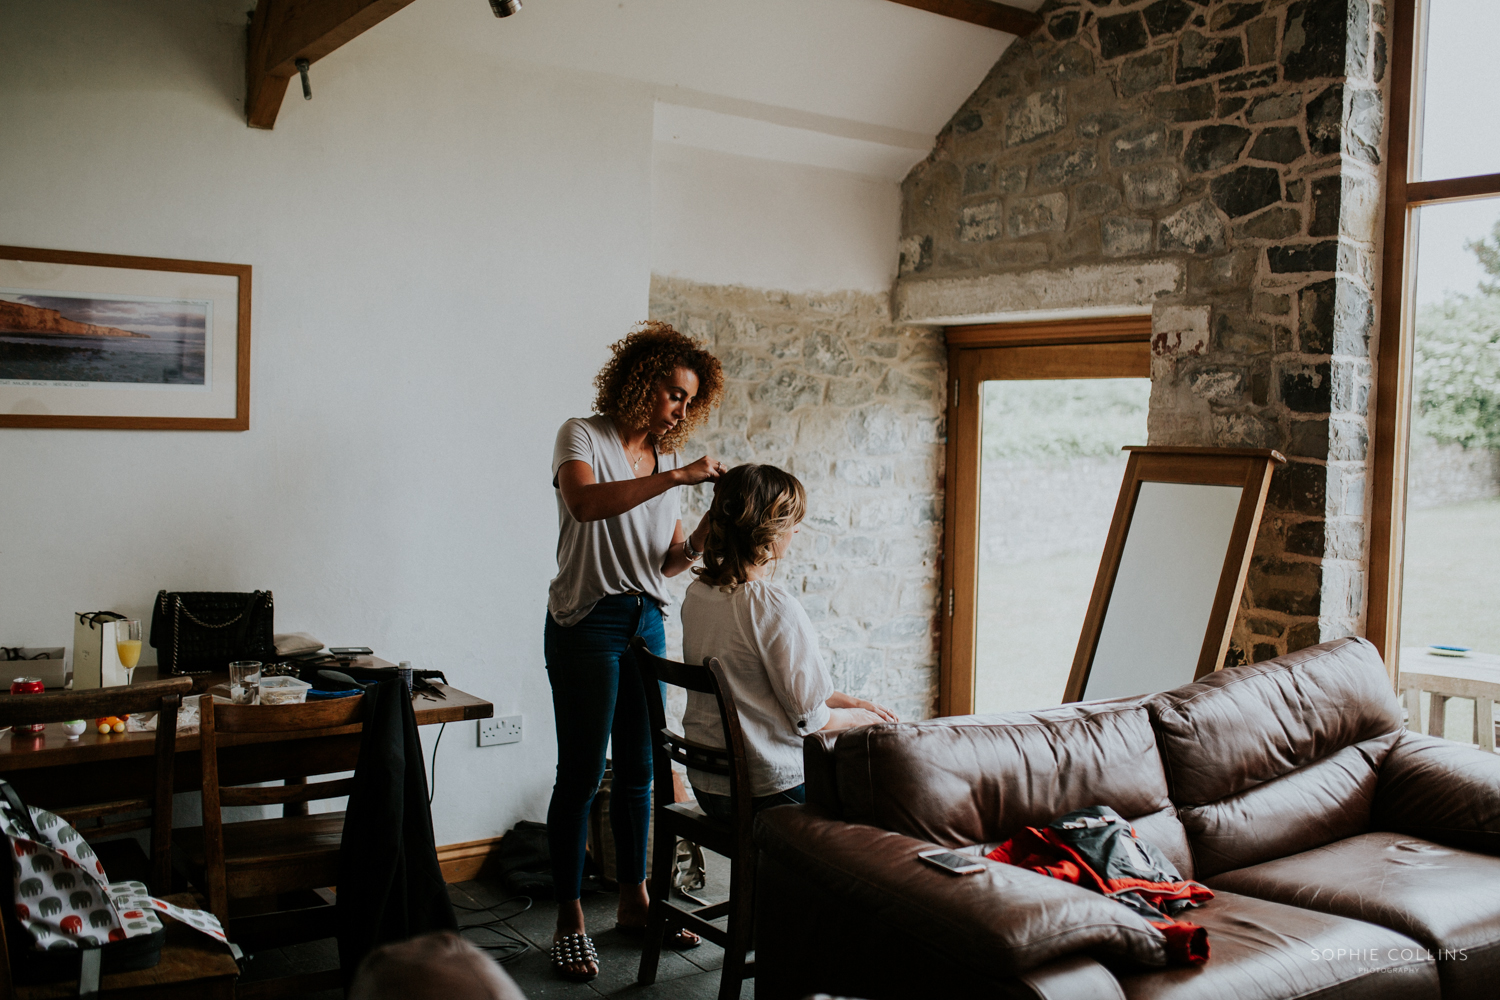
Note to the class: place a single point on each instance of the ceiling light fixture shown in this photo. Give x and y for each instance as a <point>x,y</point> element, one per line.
<point>505,8</point>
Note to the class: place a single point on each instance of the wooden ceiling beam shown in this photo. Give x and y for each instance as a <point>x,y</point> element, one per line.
<point>283,31</point>
<point>1000,16</point>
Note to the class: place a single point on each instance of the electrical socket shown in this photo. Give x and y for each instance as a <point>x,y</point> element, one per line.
<point>506,729</point>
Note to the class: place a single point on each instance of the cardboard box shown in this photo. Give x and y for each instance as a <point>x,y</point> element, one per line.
<point>52,668</point>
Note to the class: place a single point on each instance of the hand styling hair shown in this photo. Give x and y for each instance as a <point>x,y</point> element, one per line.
<point>649,355</point>
<point>754,505</point>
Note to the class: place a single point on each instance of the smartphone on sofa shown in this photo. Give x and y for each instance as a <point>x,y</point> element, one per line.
<point>953,864</point>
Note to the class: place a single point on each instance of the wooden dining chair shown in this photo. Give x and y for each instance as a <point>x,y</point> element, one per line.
<point>192,967</point>
<point>113,814</point>
<point>251,863</point>
<point>732,840</point>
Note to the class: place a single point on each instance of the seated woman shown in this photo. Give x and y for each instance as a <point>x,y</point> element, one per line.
<point>737,612</point>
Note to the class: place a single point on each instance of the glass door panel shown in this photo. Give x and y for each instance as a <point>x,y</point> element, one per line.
<point>1450,601</point>
<point>1049,476</point>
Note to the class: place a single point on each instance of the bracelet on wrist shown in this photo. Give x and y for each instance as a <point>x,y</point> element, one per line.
<point>688,550</point>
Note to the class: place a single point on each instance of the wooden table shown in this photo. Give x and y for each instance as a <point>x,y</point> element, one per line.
<point>51,771</point>
<point>1476,676</point>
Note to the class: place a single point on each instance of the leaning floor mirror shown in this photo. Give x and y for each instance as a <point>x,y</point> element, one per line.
<point>1173,570</point>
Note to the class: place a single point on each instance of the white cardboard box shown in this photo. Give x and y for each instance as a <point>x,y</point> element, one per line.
<point>52,670</point>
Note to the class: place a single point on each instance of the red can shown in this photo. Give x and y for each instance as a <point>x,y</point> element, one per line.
<point>29,685</point>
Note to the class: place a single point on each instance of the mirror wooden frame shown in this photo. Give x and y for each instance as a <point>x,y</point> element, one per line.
<point>1248,468</point>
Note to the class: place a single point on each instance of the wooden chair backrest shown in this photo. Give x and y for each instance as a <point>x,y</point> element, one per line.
<point>314,715</point>
<point>331,713</point>
<point>670,748</point>
<point>163,697</point>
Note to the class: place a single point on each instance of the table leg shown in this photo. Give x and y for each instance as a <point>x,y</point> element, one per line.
<point>1413,698</point>
<point>1437,715</point>
<point>1484,723</point>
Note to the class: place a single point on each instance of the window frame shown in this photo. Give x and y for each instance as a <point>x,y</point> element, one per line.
<point>1100,347</point>
<point>1391,436</point>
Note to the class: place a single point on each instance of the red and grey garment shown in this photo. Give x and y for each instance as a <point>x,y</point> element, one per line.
<point>1097,849</point>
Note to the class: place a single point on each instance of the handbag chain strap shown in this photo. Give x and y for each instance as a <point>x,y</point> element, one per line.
<point>196,620</point>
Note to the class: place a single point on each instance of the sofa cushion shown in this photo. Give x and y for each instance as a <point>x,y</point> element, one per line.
<point>1277,756</point>
<point>1324,801</point>
<point>1445,898</point>
<point>1445,792</point>
<point>1264,950</point>
<point>983,778</point>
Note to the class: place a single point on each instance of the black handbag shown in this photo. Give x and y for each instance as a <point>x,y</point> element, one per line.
<point>198,632</point>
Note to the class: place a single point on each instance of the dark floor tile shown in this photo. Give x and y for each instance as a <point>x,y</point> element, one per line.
<point>620,963</point>
<point>703,986</point>
<point>707,956</point>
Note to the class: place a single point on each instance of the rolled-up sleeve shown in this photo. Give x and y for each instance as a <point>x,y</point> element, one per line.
<point>789,651</point>
<point>573,445</point>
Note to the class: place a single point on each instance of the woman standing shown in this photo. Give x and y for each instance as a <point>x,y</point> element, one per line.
<point>619,537</point>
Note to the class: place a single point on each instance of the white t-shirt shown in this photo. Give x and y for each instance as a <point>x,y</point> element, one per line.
<point>617,554</point>
<point>766,644</point>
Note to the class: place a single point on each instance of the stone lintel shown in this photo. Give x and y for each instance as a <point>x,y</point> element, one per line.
<point>949,300</point>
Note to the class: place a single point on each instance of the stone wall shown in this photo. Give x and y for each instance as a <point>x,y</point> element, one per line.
<point>828,388</point>
<point>1218,162</point>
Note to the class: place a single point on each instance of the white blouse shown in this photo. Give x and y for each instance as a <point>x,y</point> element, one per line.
<point>766,644</point>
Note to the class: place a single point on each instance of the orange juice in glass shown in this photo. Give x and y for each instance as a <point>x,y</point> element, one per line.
<point>128,646</point>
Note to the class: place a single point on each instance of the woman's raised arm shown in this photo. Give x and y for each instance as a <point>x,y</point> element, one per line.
<point>590,500</point>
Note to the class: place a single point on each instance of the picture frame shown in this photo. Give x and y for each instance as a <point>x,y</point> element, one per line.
<point>109,341</point>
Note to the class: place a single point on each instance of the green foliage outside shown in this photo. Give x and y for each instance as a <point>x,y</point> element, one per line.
<point>1456,372</point>
<point>1064,418</point>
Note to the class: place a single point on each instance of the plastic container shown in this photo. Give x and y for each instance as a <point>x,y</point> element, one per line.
<point>283,691</point>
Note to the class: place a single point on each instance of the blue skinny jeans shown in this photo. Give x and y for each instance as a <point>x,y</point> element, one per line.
<point>597,694</point>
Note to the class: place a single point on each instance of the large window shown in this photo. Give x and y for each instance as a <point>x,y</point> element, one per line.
<point>1435,543</point>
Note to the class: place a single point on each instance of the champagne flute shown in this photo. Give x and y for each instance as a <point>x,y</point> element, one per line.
<point>128,646</point>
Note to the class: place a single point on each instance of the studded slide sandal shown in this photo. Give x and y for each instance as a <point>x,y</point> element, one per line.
<point>574,949</point>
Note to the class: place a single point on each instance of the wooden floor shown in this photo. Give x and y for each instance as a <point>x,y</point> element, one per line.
<point>689,975</point>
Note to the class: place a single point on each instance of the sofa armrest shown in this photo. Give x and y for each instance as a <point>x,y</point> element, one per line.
<point>1440,791</point>
<point>1002,922</point>
<point>1074,978</point>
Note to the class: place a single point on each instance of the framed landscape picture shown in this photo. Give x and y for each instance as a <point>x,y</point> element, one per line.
<point>108,341</point>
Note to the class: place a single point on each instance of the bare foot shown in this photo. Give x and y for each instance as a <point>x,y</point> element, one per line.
<point>635,910</point>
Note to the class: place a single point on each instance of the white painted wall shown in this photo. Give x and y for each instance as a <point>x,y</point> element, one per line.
<point>723,219</point>
<point>440,258</point>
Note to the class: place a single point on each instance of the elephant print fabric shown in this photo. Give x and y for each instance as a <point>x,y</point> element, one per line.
<point>65,899</point>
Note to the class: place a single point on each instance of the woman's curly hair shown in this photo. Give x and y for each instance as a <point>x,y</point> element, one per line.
<point>754,505</point>
<point>651,353</point>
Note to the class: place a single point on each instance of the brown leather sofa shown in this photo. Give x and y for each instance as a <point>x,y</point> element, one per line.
<point>1350,857</point>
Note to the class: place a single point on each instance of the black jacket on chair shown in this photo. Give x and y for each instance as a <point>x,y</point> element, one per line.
<point>390,884</point>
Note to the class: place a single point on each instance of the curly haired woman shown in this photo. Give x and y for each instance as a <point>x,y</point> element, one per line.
<point>619,537</point>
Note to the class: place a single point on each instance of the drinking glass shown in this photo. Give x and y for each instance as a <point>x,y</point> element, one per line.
<point>244,681</point>
<point>128,645</point>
